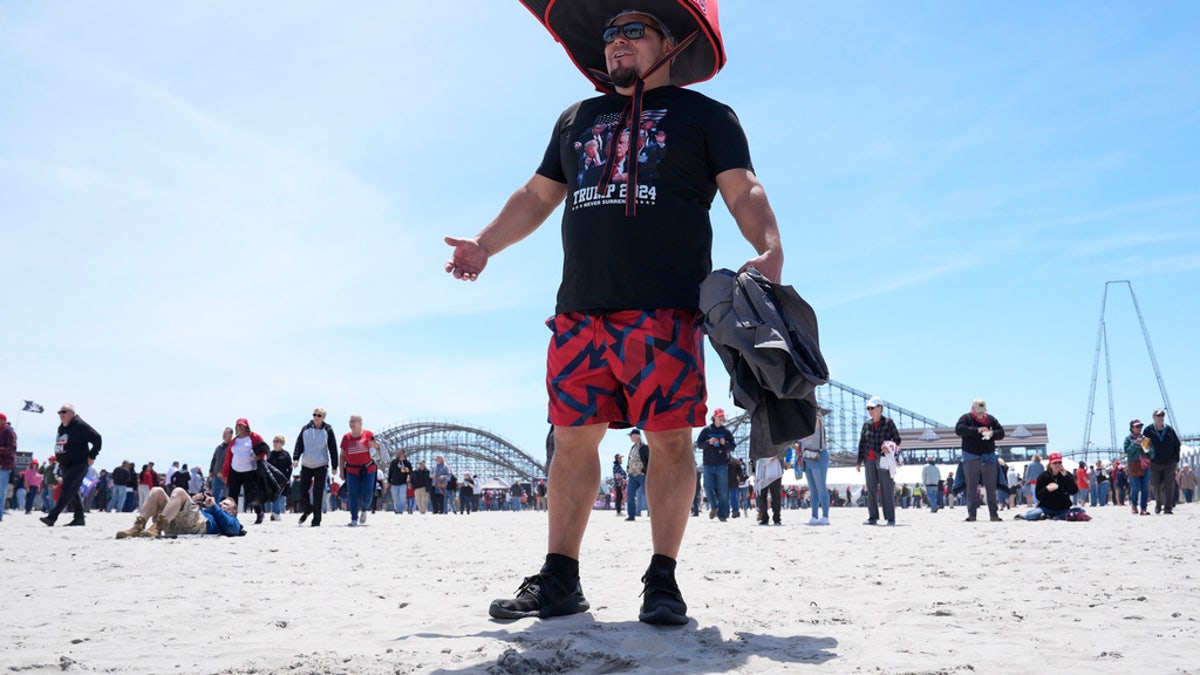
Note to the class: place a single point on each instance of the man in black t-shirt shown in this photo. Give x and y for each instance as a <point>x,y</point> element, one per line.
<point>626,347</point>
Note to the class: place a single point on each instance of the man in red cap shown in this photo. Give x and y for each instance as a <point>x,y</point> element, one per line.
<point>626,347</point>
<point>717,444</point>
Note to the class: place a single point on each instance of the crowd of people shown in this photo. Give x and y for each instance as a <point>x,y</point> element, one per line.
<point>320,474</point>
<point>724,486</point>
<point>725,490</point>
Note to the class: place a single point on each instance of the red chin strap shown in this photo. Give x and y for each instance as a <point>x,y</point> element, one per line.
<point>631,117</point>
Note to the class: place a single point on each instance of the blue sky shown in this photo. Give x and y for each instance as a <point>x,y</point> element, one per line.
<point>220,210</point>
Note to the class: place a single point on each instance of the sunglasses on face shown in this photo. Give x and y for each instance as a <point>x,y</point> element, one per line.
<point>317,415</point>
<point>634,30</point>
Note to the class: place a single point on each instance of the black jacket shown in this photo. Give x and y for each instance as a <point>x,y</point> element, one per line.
<point>766,335</point>
<point>1060,499</point>
<point>1163,450</point>
<point>972,441</point>
<point>281,460</point>
<point>398,471</point>
<point>74,439</point>
<point>419,479</point>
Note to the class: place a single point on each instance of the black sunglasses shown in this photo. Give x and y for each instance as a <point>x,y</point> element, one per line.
<point>634,30</point>
<point>63,412</point>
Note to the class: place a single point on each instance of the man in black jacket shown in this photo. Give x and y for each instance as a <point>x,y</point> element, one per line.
<point>979,432</point>
<point>120,481</point>
<point>76,448</point>
<point>1164,460</point>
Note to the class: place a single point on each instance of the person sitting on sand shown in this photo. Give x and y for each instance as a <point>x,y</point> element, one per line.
<point>181,514</point>
<point>1054,489</point>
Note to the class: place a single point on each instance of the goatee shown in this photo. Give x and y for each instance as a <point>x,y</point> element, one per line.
<point>624,76</point>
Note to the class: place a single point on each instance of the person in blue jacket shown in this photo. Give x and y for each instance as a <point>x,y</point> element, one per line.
<point>180,514</point>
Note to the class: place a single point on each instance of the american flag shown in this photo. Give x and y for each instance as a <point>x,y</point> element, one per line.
<point>610,120</point>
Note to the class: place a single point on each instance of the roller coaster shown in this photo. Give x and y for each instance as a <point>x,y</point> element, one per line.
<point>486,455</point>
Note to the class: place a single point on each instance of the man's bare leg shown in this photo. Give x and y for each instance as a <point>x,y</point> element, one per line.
<point>155,502</point>
<point>670,487</point>
<point>573,486</point>
<point>176,503</point>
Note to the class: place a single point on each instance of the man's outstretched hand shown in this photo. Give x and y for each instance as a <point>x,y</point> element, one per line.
<point>468,260</point>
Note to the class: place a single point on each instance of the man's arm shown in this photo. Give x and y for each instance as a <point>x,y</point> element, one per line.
<point>524,212</point>
<point>997,429</point>
<point>332,444</point>
<point>964,426</point>
<point>747,203</point>
<point>94,439</point>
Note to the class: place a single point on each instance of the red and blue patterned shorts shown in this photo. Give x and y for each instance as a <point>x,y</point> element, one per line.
<point>628,368</point>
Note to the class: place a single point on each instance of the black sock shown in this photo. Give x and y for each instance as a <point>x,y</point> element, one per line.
<point>662,563</point>
<point>561,566</point>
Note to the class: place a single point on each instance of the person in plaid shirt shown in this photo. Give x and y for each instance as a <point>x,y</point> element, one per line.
<point>875,432</point>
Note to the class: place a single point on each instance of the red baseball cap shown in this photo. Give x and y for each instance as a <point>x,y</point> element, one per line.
<point>1055,457</point>
<point>719,412</point>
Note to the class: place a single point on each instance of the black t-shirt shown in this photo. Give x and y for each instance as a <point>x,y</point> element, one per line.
<point>658,258</point>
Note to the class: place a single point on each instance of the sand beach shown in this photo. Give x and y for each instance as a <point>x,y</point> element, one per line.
<point>409,594</point>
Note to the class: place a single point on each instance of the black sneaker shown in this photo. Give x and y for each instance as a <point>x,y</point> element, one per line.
<point>74,523</point>
<point>303,517</point>
<point>47,520</point>
<point>662,603</point>
<point>542,595</point>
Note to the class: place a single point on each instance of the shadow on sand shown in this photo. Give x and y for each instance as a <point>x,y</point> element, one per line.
<point>580,644</point>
